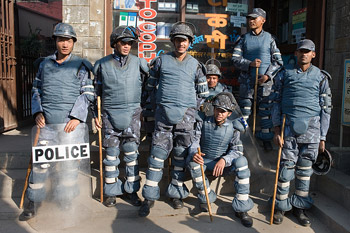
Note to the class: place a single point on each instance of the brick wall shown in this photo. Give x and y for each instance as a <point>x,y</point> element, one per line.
<point>87,18</point>
<point>337,49</point>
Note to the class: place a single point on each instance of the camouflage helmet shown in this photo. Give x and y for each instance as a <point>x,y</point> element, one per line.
<point>225,100</point>
<point>323,163</point>
<point>124,33</point>
<point>213,67</point>
<point>64,30</point>
<point>182,29</point>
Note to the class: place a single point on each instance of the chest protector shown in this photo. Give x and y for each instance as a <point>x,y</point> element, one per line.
<point>258,47</point>
<point>300,97</point>
<point>176,91</point>
<point>121,89</point>
<point>215,139</point>
<point>60,88</point>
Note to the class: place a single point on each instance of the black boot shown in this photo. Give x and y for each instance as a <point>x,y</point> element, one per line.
<point>301,216</point>
<point>145,208</point>
<point>204,207</point>
<point>111,201</point>
<point>177,203</point>
<point>134,199</point>
<point>29,212</point>
<point>278,217</point>
<point>267,145</point>
<point>246,220</point>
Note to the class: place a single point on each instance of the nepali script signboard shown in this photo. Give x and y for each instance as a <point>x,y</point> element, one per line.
<point>346,94</point>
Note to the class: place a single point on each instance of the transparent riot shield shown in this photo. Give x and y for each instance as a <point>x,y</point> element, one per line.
<point>60,182</point>
<point>257,163</point>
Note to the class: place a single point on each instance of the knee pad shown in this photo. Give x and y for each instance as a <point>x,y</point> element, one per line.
<point>286,172</point>
<point>130,151</point>
<point>245,105</point>
<point>112,151</point>
<point>129,147</point>
<point>304,167</point>
<point>242,170</point>
<point>180,154</point>
<point>157,157</point>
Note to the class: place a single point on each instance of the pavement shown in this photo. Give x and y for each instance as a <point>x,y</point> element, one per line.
<point>89,215</point>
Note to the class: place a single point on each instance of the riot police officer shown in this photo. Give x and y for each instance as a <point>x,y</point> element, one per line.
<point>219,140</point>
<point>61,93</point>
<point>119,79</point>
<point>257,49</point>
<point>302,93</point>
<point>180,80</point>
<point>215,87</point>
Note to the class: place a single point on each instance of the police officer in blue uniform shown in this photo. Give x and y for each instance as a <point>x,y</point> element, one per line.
<point>181,82</point>
<point>257,48</point>
<point>62,92</point>
<point>215,87</point>
<point>119,79</point>
<point>219,140</point>
<point>302,93</point>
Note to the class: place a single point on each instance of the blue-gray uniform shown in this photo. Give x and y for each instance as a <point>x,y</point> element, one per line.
<point>119,82</point>
<point>208,108</point>
<point>213,91</point>
<point>180,83</point>
<point>61,92</point>
<point>305,98</point>
<point>248,48</point>
<point>218,142</point>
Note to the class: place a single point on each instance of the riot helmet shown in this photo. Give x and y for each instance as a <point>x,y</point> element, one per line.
<point>64,30</point>
<point>323,163</point>
<point>183,30</point>
<point>124,33</point>
<point>225,101</point>
<point>213,67</point>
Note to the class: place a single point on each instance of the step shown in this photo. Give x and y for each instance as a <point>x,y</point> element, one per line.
<point>330,213</point>
<point>336,186</point>
<point>341,161</point>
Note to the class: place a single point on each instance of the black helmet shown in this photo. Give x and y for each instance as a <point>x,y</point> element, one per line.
<point>64,30</point>
<point>323,163</point>
<point>124,33</point>
<point>213,67</point>
<point>225,100</point>
<point>182,29</point>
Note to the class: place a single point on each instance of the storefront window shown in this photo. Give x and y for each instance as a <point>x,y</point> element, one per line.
<point>218,25</point>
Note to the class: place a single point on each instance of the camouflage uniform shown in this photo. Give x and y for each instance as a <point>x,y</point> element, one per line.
<point>305,98</point>
<point>121,117</point>
<point>248,48</point>
<point>174,120</point>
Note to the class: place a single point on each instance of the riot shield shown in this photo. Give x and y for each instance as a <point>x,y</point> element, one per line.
<point>60,182</point>
<point>257,164</point>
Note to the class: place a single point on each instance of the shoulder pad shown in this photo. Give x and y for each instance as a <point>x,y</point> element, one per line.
<point>96,66</point>
<point>144,65</point>
<point>238,125</point>
<point>87,64</point>
<point>325,73</point>
<point>37,62</point>
<point>202,67</point>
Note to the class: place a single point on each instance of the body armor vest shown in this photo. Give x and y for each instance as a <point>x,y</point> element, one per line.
<point>300,97</point>
<point>60,88</point>
<point>258,47</point>
<point>121,89</point>
<point>176,91</point>
<point>215,139</point>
